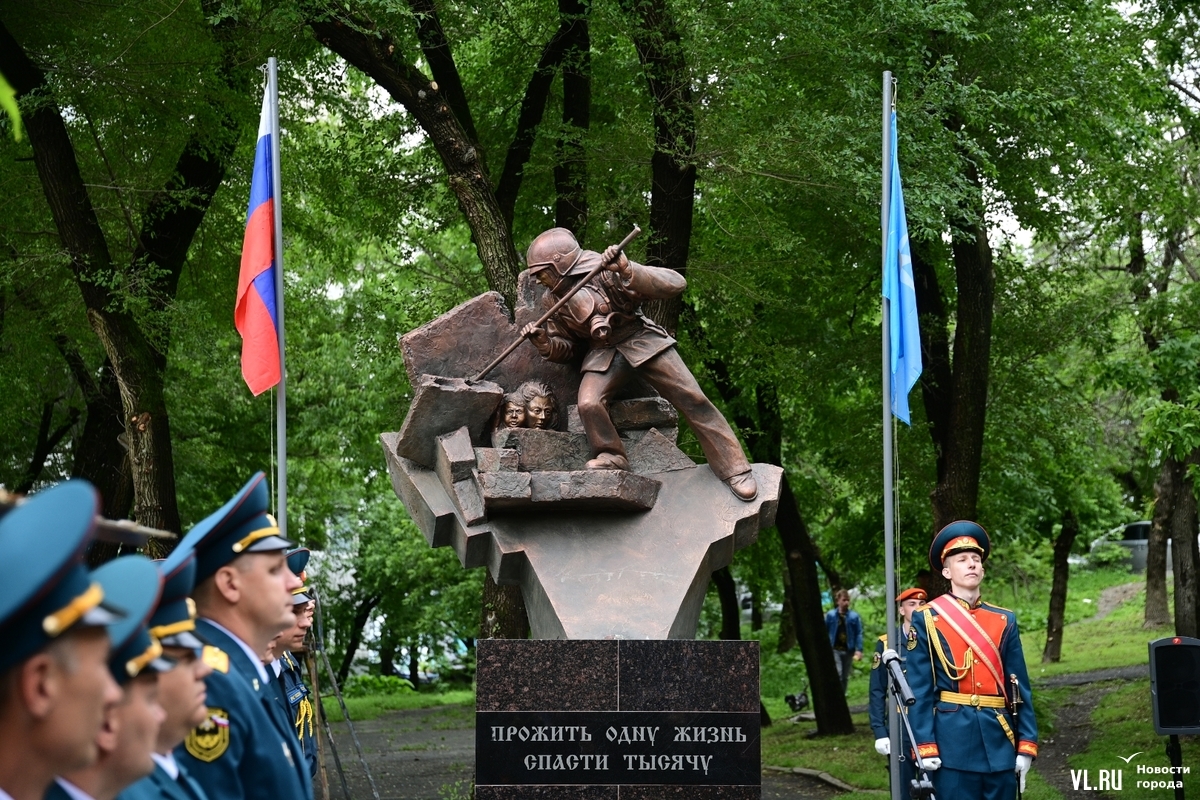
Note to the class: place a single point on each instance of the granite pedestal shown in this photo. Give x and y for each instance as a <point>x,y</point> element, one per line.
<point>617,720</point>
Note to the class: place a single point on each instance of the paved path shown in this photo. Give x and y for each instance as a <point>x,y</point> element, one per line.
<point>421,754</point>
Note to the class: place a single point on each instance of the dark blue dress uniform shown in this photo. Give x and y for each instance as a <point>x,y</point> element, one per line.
<point>247,748</point>
<point>295,694</point>
<point>158,785</point>
<point>960,672</point>
<point>135,584</point>
<point>173,624</point>
<point>299,701</point>
<point>877,707</point>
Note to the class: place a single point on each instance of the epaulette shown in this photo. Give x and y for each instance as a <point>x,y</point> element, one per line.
<point>883,638</point>
<point>998,608</point>
<point>216,658</point>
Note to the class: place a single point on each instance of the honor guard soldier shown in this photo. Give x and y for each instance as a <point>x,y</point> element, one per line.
<point>55,687</point>
<point>973,718</point>
<point>130,728</point>
<point>181,691</point>
<point>877,707</point>
<point>290,673</point>
<point>247,747</point>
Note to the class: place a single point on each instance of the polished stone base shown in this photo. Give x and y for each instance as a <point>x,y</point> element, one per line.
<point>525,689</point>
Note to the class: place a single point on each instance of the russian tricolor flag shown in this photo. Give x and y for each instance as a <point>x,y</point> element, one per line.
<point>255,314</point>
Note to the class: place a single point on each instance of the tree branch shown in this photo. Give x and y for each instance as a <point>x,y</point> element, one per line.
<point>357,40</point>
<point>533,106</point>
<point>436,48</point>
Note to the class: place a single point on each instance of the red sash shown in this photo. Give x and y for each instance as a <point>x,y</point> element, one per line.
<point>975,636</point>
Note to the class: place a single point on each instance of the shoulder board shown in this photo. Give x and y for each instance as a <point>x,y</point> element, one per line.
<point>996,607</point>
<point>216,658</point>
<point>883,638</point>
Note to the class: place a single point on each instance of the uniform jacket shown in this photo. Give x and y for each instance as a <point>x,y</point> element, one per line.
<point>877,706</point>
<point>300,709</point>
<point>969,738</point>
<point>854,629</point>
<point>634,336</point>
<point>158,785</point>
<point>248,750</point>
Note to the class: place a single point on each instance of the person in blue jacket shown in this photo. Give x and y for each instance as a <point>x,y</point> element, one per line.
<point>973,718</point>
<point>247,747</point>
<point>877,706</point>
<point>845,634</point>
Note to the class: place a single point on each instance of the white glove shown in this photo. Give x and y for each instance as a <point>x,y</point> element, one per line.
<point>1024,762</point>
<point>883,746</point>
<point>932,764</point>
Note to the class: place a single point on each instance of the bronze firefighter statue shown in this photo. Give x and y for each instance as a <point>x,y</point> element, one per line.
<point>604,320</point>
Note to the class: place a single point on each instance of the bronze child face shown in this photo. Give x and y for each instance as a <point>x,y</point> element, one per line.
<point>540,411</point>
<point>514,413</point>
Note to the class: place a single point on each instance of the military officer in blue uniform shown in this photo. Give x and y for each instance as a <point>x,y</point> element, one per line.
<point>55,686</point>
<point>247,747</point>
<point>130,728</point>
<point>289,671</point>
<point>973,718</point>
<point>181,691</point>
<point>877,707</point>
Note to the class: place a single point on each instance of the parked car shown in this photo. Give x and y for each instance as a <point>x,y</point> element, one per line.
<point>1135,537</point>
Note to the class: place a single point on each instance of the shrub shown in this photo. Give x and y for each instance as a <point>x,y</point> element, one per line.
<point>366,685</point>
<point>1109,554</point>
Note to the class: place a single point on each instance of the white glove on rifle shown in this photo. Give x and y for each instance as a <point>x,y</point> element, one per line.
<point>1024,762</point>
<point>883,746</point>
<point>932,764</point>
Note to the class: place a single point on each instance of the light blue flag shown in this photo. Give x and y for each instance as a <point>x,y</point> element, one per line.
<point>901,294</point>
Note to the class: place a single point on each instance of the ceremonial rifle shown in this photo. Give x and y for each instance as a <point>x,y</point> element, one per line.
<point>1016,711</point>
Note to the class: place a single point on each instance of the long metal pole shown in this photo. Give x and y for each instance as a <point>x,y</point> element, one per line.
<point>281,392</point>
<point>889,522</point>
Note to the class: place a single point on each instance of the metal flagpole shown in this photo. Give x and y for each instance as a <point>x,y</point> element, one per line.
<point>889,521</point>
<point>281,394</point>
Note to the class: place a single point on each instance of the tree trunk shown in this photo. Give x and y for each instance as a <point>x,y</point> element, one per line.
<point>787,628</point>
<point>504,615</point>
<point>1158,612</point>
<point>361,615</point>
<point>731,613</point>
<point>414,664</point>
<point>955,394</point>
<point>1185,553</point>
<point>1058,589</point>
<point>829,704</point>
<point>673,167</point>
<point>387,649</point>
<point>570,169</point>
<point>378,54</point>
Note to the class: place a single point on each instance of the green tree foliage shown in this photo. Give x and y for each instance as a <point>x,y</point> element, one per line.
<point>1054,116</point>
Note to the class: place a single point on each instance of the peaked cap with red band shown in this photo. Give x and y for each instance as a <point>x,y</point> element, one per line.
<point>915,593</point>
<point>960,535</point>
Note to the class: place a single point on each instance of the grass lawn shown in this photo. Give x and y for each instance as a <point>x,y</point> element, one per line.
<point>1118,640</point>
<point>372,706</point>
